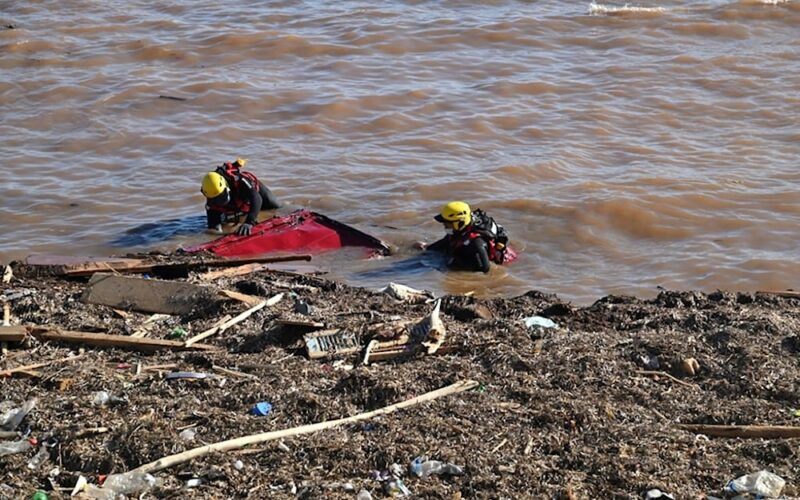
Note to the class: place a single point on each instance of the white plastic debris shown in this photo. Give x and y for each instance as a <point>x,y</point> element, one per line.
<point>12,417</point>
<point>539,322</point>
<point>187,435</point>
<point>763,483</point>
<point>405,293</point>
<point>656,494</point>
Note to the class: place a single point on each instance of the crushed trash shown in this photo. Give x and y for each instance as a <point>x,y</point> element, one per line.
<point>364,495</point>
<point>656,494</point>
<point>187,435</point>
<point>405,293</point>
<point>261,409</point>
<point>12,417</point>
<point>130,483</point>
<point>539,322</point>
<point>762,483</point>
<point>423,468</point>
<point>14,447</point>
<point>396,488</point>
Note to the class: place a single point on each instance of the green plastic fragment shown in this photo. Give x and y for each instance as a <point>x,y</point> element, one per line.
<point>177,333</point>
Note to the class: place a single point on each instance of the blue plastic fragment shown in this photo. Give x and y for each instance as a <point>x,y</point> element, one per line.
<point>261,409</point>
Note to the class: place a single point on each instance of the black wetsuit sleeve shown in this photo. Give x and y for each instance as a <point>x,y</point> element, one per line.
<point>213,218</point>
<point>438,246</point>
<point>480,252</point>
<point>254,197</point>
<point>268,200</point>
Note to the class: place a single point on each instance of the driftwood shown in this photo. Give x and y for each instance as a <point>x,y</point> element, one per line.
<point>233,444</point>
<point>29,369</point>
<point>744,431</point>
<point>219,328</point>
<point>121,341</point>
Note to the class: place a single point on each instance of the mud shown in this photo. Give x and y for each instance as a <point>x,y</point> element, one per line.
<point>567,412</point>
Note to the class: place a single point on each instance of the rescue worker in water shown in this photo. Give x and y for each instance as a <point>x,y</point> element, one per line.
<point>231,193</point>
<point>473,239</point>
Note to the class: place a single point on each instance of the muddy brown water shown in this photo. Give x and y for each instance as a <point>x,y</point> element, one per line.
<point>624,148</point>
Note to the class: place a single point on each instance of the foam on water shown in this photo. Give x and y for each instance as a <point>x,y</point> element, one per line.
<point>609,10</point>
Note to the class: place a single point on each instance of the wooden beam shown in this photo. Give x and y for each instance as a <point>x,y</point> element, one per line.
<point>744,431</point>
<point>13,333</point>
<point>120,341</point>
<point>233,444</point>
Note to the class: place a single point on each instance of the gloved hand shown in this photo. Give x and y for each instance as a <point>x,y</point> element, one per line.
<point>244,229</point>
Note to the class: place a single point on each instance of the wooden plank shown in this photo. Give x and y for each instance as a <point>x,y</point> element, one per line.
<point>156,296</point>
<point>250,300</point>
<point>299,323</point>
<point>182,268</point>
<point>70,265</point>
<point>233,271</point>
<point>219,328</point>
<point>14,333</point>
<point>120,341</point>
<point>745,431</point>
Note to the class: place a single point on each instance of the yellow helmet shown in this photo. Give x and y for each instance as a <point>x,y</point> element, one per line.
<point>213,185</point>
<point>241,162</point>
<point>457,213</point>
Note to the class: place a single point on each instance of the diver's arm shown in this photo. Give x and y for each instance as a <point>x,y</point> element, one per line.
<point>438,246</point>
<point>481,255</point>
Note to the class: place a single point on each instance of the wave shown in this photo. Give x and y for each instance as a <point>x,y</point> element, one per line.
<point>607,10</point>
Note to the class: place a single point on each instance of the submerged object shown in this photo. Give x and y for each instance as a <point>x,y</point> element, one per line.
<point>302,231</point>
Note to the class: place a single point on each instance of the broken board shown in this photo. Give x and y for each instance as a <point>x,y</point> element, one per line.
<point>148,295</point>
<point>331,342</point>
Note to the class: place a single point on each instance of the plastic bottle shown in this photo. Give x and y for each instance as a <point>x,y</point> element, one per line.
<point>12,447</point>
<point>100,398</point>
<point>133,482</point>
<point>13,417</point>
<point>761,483</point>
<point>433,468</point>
<point>39,495</point>
<point>38,459</point>
<point>364,495</point>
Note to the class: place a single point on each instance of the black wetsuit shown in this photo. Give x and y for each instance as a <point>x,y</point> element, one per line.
<point>476,246</point>
<point>463,252</point>
<point>258,199</point>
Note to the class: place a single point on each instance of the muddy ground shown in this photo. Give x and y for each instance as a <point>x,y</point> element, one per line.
<point>563,412</point>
